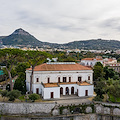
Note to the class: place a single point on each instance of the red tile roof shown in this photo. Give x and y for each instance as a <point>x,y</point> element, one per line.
<point>83,83</point>
<point>60,67</point>
<point>50,84</point>
<point>92,59</point>
<point>65,83</point>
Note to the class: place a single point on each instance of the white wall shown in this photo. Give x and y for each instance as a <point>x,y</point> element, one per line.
<point>69,86</point>
<point>47,92</point>
<point>28,86</point>
<point>91,62</point>
<point>83,88</point>
<point>53,75</point>
<point>34,86</point>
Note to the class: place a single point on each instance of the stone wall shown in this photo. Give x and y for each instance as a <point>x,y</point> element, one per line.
<point>96,108</point>
<point>26,108</point>
<point>56,110</point>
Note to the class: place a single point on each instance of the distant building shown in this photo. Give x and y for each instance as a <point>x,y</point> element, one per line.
<point>109,61</point>
<point>52,80</point>
<point>115,66</point>
<point>91,61</point>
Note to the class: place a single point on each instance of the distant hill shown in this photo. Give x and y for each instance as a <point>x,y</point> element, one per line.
<point>21,37</point>
<point>95,44</point>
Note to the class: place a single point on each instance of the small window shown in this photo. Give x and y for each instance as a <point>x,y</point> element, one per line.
<point>59,79</point>
<point>48,80</point>
<point>88,77</point>
<point>37,79</point>
<point>79,79</point>
<point>69,79</point>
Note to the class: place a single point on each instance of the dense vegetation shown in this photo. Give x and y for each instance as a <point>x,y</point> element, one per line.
<point>107,83</point>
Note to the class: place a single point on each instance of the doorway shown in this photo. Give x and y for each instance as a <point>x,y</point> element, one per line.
<point>86,92</point>
<point>67,91</point>
<point>61,90</point>
<point>72,90</point>
<point>52,94</point>
<point>37,90</point>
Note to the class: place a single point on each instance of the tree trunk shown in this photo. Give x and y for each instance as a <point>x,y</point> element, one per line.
<point>10,77</point>
<point>31,80</point>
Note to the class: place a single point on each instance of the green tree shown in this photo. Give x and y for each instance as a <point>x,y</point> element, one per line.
<point>34,97</point>
<point>21,67</point>
<point>114,89</point>
<point>20,83</point>
<point>34,58</point>
<point>98,71</point>
<point>12,95</point>
<point>99,89</point>
<point>10,57</point>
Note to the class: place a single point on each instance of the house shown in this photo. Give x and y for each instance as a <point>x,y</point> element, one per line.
<point>54,79</point>
<point>115,66</point>
<point>91,61</point>
<point>109,61</point>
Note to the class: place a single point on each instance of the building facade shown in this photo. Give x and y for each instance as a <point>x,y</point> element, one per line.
<point>52,80</point>
<point>91,61</point>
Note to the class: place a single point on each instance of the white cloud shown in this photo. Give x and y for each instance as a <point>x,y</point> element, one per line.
<point>62,21</point>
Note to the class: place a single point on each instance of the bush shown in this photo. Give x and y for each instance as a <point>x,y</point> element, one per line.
<point>34,97</point>
<point>98,98</point>
<point>4,94</point>
<point>12,95</point>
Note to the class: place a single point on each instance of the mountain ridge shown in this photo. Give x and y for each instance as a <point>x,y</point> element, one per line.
<point>22,37</point>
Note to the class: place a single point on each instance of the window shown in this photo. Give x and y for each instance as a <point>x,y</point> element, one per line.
<point>88,77</point>
<point>37,79</point>
<point>79,79</point>
<point>69,79</point>
<point>48,80</point>
<point>64,79</point>
<point>59,79</point>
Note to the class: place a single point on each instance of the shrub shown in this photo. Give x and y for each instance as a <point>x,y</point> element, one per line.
<point>12,95</point>
<point>98,98</point>
<point>4,94</point>
<point>34,97</point>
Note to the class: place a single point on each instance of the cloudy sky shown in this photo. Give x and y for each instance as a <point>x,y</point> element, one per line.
<point>62,21</point>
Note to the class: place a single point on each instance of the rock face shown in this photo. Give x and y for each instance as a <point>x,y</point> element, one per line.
<point>106,110</point>
<point>88,110</point>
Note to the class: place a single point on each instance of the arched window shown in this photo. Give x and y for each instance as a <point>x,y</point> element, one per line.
<point>48,80</point>
<point>69,79</point>
<point>79,79</point>
<point>88,77</point>
<point>37,79</point>
<point>64,79</point>
<point>72,90</point>
<point>59,79</point>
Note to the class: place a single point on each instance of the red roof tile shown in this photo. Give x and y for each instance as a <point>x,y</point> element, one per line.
<point>50,84</point>
<point>92,59</point>
<point>60,67</point>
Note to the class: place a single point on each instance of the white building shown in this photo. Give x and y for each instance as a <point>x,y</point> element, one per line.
<point>109,61</point>
<point>91,61</point>
<point>52,80</point>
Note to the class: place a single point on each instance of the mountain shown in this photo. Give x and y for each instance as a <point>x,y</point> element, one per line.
<point>23,38</point>
<point>95,44</point>
<point>20,37</point>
